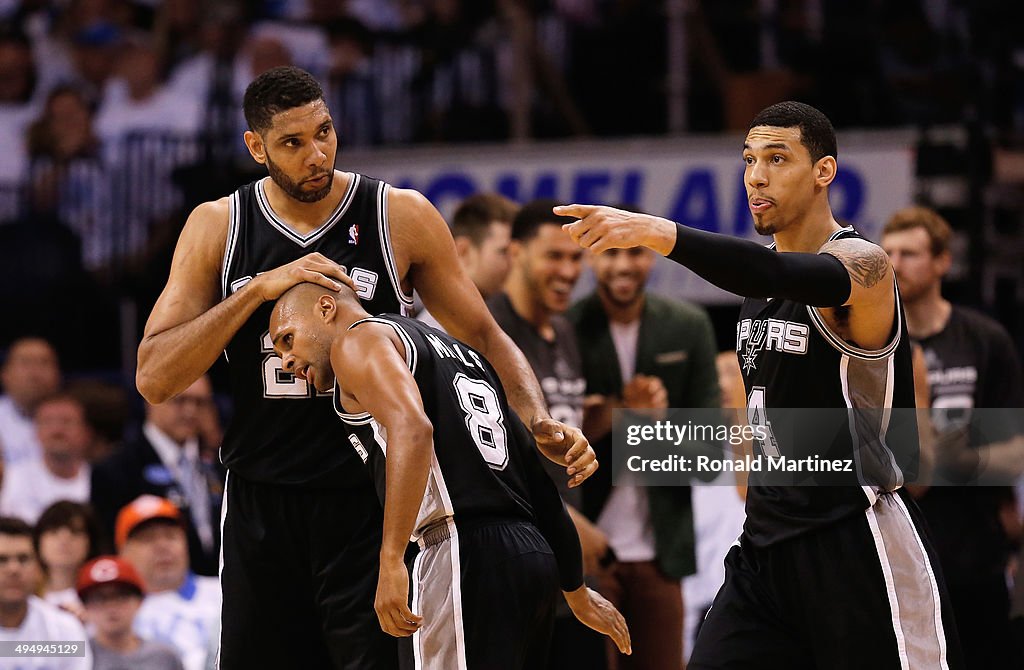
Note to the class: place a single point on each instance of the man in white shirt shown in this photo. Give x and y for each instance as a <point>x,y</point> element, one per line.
<point>165,462</point>
<point>180,608</point>
<point>30,373</point>
<point>26,618</point>
<point>62,473</point>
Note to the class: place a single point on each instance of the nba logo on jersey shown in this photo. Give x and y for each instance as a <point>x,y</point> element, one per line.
<point>353,234</point>
<point>358,446</point>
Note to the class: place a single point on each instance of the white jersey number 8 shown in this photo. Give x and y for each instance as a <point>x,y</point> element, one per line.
<point>484,419</point>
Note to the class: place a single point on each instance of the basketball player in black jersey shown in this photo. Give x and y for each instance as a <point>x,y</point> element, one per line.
<point>821,577</point>
<point>457,472</point>
<point>301,522</point>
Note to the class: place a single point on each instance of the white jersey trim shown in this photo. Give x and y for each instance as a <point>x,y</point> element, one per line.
<point>319,231</point>
<point>848,349</point>
<point>229,245</point>
<point>384,230</point>
<point>890,588</point>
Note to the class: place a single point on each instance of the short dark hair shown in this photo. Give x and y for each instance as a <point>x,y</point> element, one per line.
<point>73,515</point>
<point>474,216</point>
<point>276,90</point>
<point>535,214</point>
<point>13,526</point>
<point>816,131</point>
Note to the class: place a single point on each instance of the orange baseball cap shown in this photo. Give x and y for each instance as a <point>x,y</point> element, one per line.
<point>107,570</point>
<point>142,509</point>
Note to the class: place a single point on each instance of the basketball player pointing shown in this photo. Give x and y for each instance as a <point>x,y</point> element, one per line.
<point>786,602</point>
<point>458,473</point>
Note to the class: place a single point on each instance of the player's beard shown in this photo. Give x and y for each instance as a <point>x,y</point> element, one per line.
<point>294,189</point>
<point>763,227</point>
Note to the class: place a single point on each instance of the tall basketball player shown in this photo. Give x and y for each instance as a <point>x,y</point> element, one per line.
<point>822,577</point>
<point>301,521</point>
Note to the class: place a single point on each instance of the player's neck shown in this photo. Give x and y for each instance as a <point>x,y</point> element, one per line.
<point>928,315</point>
<point>305,216</point>
<point>808,234</point>
<point>12,615</point>
<point>123,642</point>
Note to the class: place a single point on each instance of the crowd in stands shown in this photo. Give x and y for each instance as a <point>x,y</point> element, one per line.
<point>117,115</point>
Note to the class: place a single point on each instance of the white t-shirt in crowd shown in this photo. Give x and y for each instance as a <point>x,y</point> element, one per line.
<point>186,619</point>
<point>17,434</point>
<point>46,623</point>
<point>626,517</point>
<point>29,488</point>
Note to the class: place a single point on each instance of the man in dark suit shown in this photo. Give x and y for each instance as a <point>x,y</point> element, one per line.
<point>165,461</point>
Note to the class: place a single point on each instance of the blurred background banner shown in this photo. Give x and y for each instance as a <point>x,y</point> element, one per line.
<point>697,181</point>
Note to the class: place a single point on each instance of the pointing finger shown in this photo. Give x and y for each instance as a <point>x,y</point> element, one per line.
<point>579,211</point>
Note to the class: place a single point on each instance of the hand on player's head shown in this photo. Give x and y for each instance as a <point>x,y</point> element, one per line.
<point>314,268</point>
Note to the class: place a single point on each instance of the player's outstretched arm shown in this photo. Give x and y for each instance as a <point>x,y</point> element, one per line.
<point>190,326</point>
<point>736,265</point>
<point>377,376</point>
<point>425,240</point>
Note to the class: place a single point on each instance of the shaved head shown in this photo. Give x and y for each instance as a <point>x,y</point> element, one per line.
<point>304,324</point>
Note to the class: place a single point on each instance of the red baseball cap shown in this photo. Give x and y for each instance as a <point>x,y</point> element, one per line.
<point>142,509</point>
<point>107,570</point>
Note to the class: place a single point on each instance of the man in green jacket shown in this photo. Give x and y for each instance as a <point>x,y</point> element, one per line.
<point>664,353</point>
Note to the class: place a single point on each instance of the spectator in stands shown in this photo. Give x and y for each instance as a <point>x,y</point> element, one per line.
<point>718,512</point>
<point>165,461</point>
<point>482,228</point>
<point>61,473</point>
<point>641,351</point>
<point>64,131</point>
<point>112,592</point>
<point>972,365</point>
<point>94,53</point>
<point>30,372</point>
<point>545,266</point>
<point>23,616</point>
<point>180,608</point>
<point>136,99</point>
<point>65,537</point>
<point>351,89</point>
<point>17,101</point>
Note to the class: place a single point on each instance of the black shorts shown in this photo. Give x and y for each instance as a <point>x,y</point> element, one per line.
<point>299,574</point>
<point>487,596</point>
<point>863,593</point>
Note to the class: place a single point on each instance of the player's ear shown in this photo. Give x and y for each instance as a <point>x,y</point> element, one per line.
<point>257,149</point>
<point>943,262</point>
<point>825,170</point>
<point>327,308</point>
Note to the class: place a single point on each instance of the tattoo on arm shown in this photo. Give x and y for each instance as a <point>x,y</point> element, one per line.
<point>866,262</point>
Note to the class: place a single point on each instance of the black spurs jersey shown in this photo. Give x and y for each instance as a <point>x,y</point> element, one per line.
<point>282,431</point>
<point>791,359</point>
<point>485,466</point>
